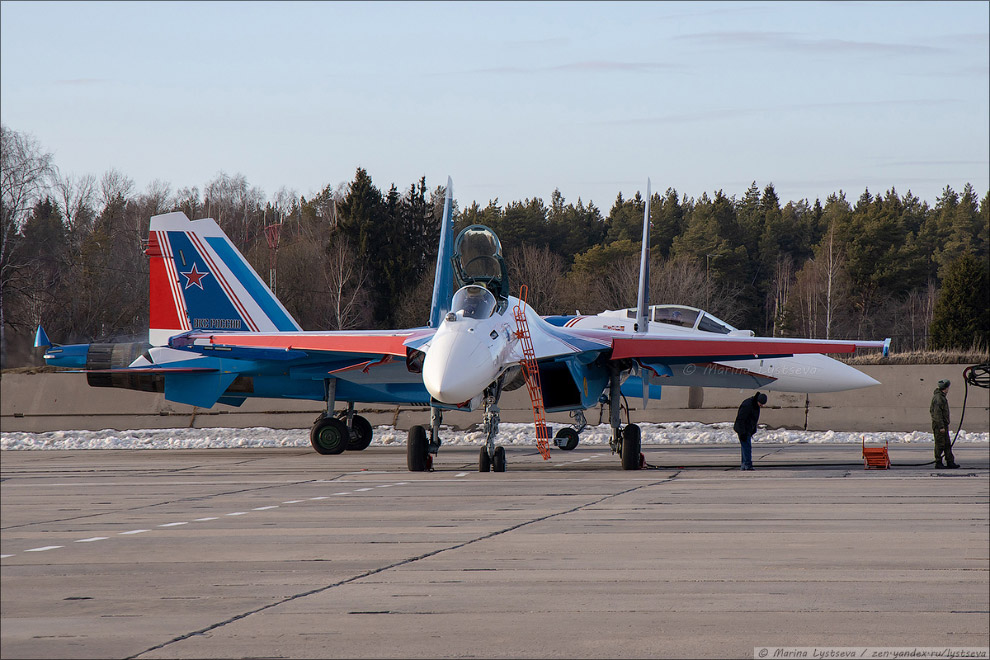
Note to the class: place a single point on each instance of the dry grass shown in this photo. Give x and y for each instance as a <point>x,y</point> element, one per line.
<point>43,369</point>
<point>972,356</point>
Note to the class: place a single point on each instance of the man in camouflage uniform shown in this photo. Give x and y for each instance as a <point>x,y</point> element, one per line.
<point>940,426</point>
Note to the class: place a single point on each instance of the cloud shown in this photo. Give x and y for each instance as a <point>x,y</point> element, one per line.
<point>726,113</point>
<point>599,66</point>
<point>80,82</point>
<point>795,42</point>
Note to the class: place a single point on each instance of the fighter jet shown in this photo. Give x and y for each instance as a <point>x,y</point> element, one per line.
<point>219,335</point>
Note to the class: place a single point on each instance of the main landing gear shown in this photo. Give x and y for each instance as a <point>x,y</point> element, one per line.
<point>335,433</point>
<point>625,441</point>
<point>420,450</point>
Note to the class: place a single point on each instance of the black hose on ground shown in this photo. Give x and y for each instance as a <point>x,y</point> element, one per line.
<point>977,375</point>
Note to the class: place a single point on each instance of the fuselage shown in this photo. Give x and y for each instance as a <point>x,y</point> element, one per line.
<point>808,373</point>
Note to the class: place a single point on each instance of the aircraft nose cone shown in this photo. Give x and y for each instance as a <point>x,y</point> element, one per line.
<point>817,374</point>
<point>457,367</point>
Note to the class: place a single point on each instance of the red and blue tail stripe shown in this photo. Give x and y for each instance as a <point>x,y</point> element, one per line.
<point>200,281</point>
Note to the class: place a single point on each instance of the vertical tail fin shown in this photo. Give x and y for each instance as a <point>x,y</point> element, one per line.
<point>443,281</point>
<point>199,280</point>
<point>642,300</point>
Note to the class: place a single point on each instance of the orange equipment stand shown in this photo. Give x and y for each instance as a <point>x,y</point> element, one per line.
<point>875,458</point>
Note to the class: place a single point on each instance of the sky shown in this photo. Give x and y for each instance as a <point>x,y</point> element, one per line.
<point>512,100</point>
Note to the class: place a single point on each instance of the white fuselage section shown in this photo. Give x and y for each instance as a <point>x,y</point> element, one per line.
<point>807,373</point>
<point>474,346</point>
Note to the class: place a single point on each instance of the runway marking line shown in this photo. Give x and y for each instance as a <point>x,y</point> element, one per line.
<point>210,518</point>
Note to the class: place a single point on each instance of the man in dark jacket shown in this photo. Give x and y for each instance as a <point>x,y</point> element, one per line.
<point>940,426</point>
<point>746,420</point>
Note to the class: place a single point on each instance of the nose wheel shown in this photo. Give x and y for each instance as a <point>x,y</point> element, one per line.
<point>495,463</point>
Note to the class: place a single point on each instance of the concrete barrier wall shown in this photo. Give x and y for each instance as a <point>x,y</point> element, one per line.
<point>55,402</point>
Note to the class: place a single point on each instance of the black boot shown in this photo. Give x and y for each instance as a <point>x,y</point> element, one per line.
<point>938,464</point>
<point>952,466</point>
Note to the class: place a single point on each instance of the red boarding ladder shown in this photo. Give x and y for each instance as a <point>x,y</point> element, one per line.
<point>532,374</point>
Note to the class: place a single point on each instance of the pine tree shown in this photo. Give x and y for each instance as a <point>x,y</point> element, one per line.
<point>962,317</point>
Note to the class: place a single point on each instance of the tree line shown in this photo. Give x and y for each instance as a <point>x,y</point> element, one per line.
<point>357,256</point>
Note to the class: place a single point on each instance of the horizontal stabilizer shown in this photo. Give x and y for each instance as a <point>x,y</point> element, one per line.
<point>198,389</point>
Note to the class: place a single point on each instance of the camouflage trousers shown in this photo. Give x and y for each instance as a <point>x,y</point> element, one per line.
<point>943,446</point>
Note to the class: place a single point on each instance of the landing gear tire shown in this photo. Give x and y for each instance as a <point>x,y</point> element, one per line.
<point>484,461</point>
<point>566,438</point>
<point>498,460</point>
<point>418,450</point>
<point>630,447</point>
<point>329,435</point>
<point>361,434</point>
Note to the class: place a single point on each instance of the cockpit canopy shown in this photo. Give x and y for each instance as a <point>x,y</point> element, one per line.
<point>687,317</point>
<point>476,302</point>
<point>478,260</point>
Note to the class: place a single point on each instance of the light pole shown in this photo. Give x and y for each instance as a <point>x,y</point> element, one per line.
<point>708,285</point>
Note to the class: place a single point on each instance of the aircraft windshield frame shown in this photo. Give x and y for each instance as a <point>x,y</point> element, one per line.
<point>679,315</point>
<point>691,318</point>
<point>474,302</point>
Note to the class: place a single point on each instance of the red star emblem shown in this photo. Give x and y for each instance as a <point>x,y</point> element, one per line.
<point>194,277</point>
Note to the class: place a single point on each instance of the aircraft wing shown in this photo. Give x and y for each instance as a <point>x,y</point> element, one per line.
<point>342,344</point>
<point>696,349</point>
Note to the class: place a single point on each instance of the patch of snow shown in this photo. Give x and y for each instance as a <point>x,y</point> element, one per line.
<point>670,433</point>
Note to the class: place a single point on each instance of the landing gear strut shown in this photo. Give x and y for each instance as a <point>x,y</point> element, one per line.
<point>493,457</point>
<point>626,442</point>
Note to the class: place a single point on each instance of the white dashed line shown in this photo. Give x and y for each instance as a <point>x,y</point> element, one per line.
<point>459,474</point>
<point>235,513</point>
